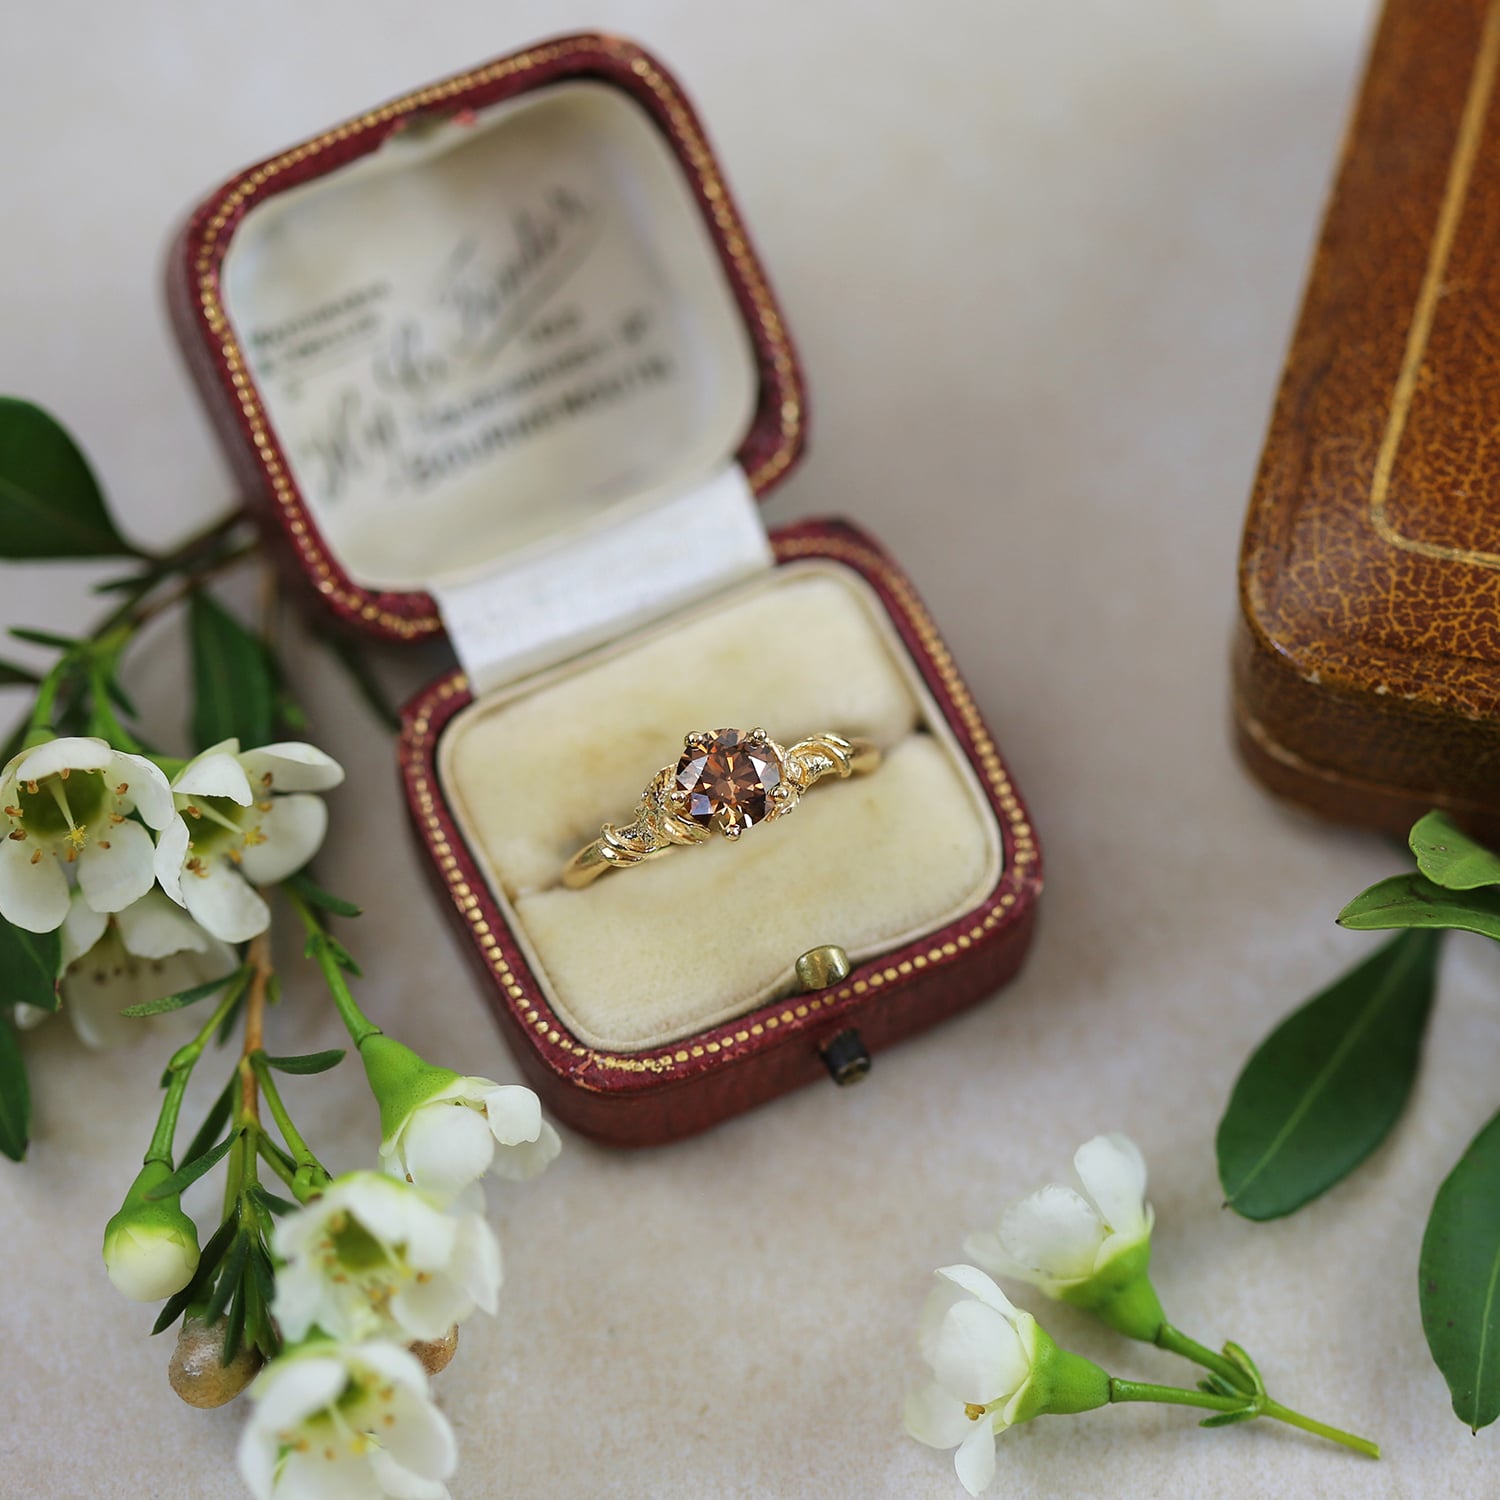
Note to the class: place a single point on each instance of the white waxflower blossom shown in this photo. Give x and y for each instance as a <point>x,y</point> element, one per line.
<point>1060,1240</point>
<point>246,818</point>
<point>983,1354</point>
<point>150,949</point>
<point>337,1421</point>
<point>68,803</point>
<point>466,1128</point>
<point>373,1257</point>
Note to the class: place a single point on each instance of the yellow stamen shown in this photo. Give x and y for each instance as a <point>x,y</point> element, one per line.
<point>123,787</point>
<point>36,856</point>
<point>973,1412</point>
<point>104,843</point>
<point>13,812</point>
<point>64,773</point>
<point>20,833</point>
<point>254,836</point>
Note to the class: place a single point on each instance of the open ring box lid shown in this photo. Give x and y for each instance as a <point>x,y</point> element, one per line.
<point>498,361</point>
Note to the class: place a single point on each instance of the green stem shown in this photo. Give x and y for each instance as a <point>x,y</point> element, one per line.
<point>1321,1429</point>
<point>1260,1406</point>
<point>309,1165</point>
<point>1174,1341</point>
<point>359,1026</point>
<point>180,1069</point>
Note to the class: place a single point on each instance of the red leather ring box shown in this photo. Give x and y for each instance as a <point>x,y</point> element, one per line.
<point>498,361</point>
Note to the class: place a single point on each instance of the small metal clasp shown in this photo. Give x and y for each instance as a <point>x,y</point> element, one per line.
<point>845,1055</point>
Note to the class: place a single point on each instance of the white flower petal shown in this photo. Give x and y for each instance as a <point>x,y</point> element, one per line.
<point>293,767</point>
<point>402,1484</point>
<point>974,1463</point>
<point>299,1297</point>
<point>1054,1232</point>
<point>311,1475</point>
<point>399,1365</point>
<point>154,928</point>
<point>290,1390</point>
<point>977,1284</point>
<point>445,1147</point>
<point>529,1159</point>
<point>514,1113</point>
<point>171,854</point>
<point>29,1017</point>
<point>256,1456</point>
<point>399,1215</point>
<point>476,1262</point>
<point>114,871</point>
<point>420,1438</point>
<point>71,753</point>
<point>215,773</point>
<point>146,788</point>
<point>979,1357</point>
<point>1114,1174</point>
<point>33,896</point>
<point>428,1311</point>
<point>936,1418</point>
<point>81,929</point>
<point>224,904</point>
<point>293,832</point>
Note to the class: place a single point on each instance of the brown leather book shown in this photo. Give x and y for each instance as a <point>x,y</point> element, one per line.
<point>1367,664</point>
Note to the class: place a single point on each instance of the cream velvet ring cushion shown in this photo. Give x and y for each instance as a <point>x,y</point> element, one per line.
<point>649,955</point>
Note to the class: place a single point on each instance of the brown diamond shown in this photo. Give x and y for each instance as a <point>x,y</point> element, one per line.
<point>728,777</point>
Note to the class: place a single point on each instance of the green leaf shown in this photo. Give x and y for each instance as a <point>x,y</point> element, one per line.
<point>50,502</point>
<point>229,1277</point>
<point>1460,1280</point>
<point>234,694</point>
<point>30,963</point>
<point>183,998</point>
<point>1228,1418</point>
<point>1325,1088</point>
<point>15,1095</point>
<point>185,1176</point>
<point>1447,856</point>
<point>315,895</point>
<point>1413,900</point>
<point>213,1122</point>
<point>308,1062</point>
<point>44,638</point>
<point>12,675</point>
<point>273,1203</point>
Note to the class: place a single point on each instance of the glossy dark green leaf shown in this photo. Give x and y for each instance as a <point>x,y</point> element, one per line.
<point>50,502</point>
<point>30,963</point>
<point>1460,1280</point>
<point>1448,857</point>
<point>308,1062</point>
<point>1413,900</point>
<point>15,1094</point>
<point>183,998</point>
<point>234,697</point>
<point>1325,1088</point>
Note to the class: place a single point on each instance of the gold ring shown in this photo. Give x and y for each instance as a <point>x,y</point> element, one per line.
<point>725,781</point>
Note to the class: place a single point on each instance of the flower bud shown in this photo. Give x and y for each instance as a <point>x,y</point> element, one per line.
<point>150,1248</point>
<point>197,1371</point>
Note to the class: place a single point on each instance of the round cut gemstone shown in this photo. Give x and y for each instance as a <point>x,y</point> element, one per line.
<point>728,776</point>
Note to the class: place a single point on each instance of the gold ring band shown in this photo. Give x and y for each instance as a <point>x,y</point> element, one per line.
<point>725,781</point>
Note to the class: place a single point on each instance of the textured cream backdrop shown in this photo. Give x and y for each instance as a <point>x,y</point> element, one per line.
<point>1042,261</point>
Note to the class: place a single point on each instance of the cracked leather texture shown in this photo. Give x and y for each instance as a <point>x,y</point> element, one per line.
<point>1367,668</point>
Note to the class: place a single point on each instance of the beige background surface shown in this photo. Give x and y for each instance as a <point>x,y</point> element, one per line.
<point>1042,261</point>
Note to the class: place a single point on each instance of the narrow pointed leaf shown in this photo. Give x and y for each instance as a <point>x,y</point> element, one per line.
<point>208,1263</point>
<point>1448,857</point>
<point>234,696</point>
<point>50,502</point>
<point>30,963</point>
<point>183,998</point>
<point>315,895</point>
<point>213,1122</point>
<point>1325,1088</point>
<point>1227,1418</point>
<point>14,675</point>
<point>185,1176</point>
<point>229,1277</point>
<point>44,637</point>
<point>1413,900</point>
<point>308,1062</point>
<point>15,1094</point>
<point>1460,1280</point>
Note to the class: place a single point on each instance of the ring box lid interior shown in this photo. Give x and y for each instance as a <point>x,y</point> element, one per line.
<point>514,358</point>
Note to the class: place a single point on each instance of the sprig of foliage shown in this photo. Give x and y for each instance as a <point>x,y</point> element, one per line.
<point>1330,1082</point>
